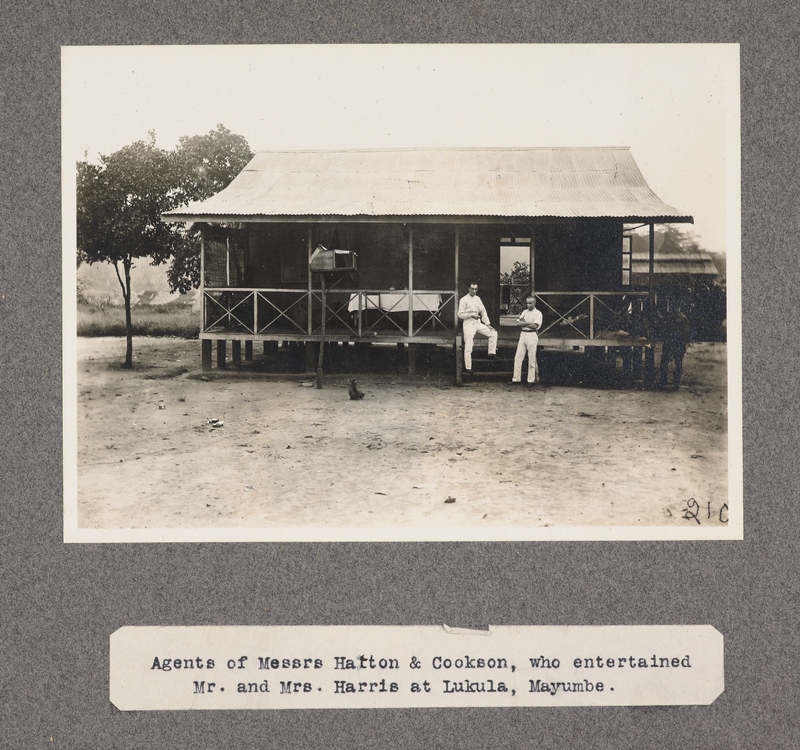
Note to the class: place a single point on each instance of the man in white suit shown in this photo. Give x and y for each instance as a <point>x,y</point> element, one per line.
<point>475,321</point>
<point>530,321</point>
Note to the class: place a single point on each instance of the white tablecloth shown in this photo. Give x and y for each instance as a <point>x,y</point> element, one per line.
<point>395,302</point>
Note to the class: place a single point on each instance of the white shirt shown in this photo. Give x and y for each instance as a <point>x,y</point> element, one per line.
<point>531,317</point>
<point>468,305</point>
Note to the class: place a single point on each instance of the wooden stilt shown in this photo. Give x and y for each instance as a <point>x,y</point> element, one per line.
<point>458,355</point>
<point>206,354</point>
<point>248,350</point>
<point>322,336</point>
<point>650,366</point>
<point>222,354</point>
<point>412,359</point>
<point>236,352</point>
<point>627,363</point>
<point>309,351</point>
<point>637,362</point>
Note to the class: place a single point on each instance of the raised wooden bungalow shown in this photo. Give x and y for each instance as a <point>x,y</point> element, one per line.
<point>416,226</point>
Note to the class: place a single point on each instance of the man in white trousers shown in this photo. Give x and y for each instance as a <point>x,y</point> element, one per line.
<point>530,321</point>
<point>475,321</point>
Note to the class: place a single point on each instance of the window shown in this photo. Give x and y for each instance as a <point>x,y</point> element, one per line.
<point>627,246</point>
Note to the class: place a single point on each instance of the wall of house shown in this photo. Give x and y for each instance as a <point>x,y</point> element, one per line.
<point>434,256</point>
<point>382,255</point>
<point>226,256</point>
<point>479,263</point>
<point>581,255</point>
<point>279,255</point>
<point>578,256</point>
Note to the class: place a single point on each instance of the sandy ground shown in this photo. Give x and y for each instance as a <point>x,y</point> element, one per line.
<point>288,455</point>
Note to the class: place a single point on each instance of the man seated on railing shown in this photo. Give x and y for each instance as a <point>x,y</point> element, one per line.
<point>475,321</point>
<point>530,321</point>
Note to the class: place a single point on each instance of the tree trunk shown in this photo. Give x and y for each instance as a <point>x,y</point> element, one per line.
<point>128,321</point>
<point>126,296</point>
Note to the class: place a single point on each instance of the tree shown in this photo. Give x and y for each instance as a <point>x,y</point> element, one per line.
<point>206,164</point>
<point>120,202</point>
<point>516,286</point>
<point>119,207</point>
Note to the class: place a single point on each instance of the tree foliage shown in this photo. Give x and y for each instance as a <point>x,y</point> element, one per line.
<point>206,164</point>
<point>120,202</point>
<point>520,274</point>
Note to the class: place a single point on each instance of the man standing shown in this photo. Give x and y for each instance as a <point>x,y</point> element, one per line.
<point>530,321</point>
<point>475,321</point>
<point>675,335</point>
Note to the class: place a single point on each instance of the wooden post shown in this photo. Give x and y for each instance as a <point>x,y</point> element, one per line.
<point>650,366</point>
<point>650,352</point>
<point>532,260</point>
<point>248,350</point>
<point>255,313</point>
<point>456,338</point>
<point>203,281</point>
<point>650,291</point>
<point>411,281</point>
<point>206,358</point>
<point>221,353</point>
<point>455,283</point>
<point>310,300</point>
<point>227,261</point>
<point>627,363</point>
<point>309,352</point>
<point>637,362</point>
<point>236,353</point>
<point>322,335</point>
<point>412,359</point>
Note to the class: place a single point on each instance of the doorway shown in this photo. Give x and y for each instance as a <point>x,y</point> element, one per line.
<point>517,274</point>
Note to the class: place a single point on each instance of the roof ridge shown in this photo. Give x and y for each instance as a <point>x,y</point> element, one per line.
<point>410,149</point>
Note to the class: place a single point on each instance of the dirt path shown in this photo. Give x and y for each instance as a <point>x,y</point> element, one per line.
<point>293,456</point>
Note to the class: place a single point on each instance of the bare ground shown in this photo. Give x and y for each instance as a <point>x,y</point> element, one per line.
<point>415,452</point>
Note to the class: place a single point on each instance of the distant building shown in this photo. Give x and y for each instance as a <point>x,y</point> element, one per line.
<point>674,265</point>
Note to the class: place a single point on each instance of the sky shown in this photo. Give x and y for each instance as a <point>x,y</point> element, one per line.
<point>676,106</point>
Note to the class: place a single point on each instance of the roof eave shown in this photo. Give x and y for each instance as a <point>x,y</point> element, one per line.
<point>176,217</point>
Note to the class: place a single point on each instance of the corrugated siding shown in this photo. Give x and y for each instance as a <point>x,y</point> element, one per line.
<point>578,182</point>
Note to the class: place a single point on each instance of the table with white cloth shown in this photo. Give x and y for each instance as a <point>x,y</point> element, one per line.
<point>394,306</point>
<point>395,302</point>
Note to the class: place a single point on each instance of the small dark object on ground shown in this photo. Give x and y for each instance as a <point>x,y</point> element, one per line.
<point>355,394</point>
<point>450,499</point>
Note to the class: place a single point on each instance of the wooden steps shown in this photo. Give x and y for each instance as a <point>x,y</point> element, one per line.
<point>488,368</point>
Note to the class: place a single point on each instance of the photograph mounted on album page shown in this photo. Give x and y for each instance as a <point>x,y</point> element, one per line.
<point>402,293</point>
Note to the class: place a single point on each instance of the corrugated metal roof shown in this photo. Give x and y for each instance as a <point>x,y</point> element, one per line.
<point>519,182</point>
<point>673,263</point>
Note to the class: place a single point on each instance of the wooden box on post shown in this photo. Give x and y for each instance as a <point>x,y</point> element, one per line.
<point>323,260</point>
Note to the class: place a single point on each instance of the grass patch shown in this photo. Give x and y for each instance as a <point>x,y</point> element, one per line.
<point>155,320</point>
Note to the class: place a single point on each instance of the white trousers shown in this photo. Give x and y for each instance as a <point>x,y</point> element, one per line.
<point>526,346</point>
<point>472,328</point>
